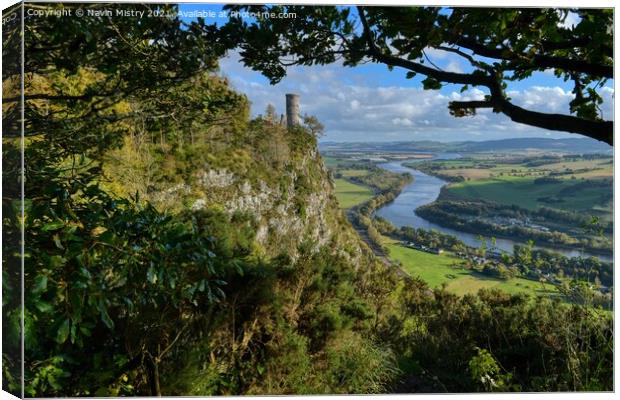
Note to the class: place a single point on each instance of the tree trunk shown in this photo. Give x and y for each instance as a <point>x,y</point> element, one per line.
<point>153,376</point>
<point>156,380</point>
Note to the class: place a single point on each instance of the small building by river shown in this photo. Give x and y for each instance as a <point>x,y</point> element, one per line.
<point>422,247</point>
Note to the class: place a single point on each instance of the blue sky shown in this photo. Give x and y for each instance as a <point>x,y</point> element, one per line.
<point>370,103</point>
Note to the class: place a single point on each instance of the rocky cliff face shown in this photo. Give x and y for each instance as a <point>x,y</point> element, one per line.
<point>292,201</point>
<point>284,217</point>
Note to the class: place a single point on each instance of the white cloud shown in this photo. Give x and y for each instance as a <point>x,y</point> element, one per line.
<point>454,66</point>
<point>607,91</point>
<point>355,106</point>
<point>435,54</point>
<point>543,98</point>
<point>402,122</point>
<point>572,19</point>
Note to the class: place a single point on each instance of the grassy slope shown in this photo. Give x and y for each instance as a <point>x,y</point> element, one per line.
<point>350,194</point>
<point>438,269</point>
<point>354,172</point>
<point>332,161</point>
<point>522,191</point>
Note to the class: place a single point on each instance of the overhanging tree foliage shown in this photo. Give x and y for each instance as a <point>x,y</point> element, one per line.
<point>97,266</point>
<point>500,45</point>
<point>116,58</point>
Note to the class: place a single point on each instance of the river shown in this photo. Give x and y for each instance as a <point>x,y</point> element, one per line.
<point>424,190</point>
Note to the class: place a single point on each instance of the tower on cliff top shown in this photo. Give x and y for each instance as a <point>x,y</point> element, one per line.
<point>292,110</point>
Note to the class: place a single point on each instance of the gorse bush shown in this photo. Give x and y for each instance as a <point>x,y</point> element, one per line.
<point>484,370</point>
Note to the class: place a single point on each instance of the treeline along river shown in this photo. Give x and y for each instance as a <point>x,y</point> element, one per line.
<point>424,190</point>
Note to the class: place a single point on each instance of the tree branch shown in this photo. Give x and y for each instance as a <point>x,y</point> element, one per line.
<point>599,130</point>
<point>43,96</point>
<point>542,61</point>
<point>460,105</point>
<point>575,42</point>
<point>537,60</point>
<point>479,79</point>
<point>595,129</point>
<point>466,56</point>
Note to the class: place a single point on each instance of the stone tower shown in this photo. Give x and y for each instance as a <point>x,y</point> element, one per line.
<point>292,110</point>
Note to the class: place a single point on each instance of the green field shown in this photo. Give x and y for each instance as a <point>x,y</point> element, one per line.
<point>332,161</point>
<point>354,172</point>
<point>439,269</point>
<point>525,193</point>
<point>350,194</point>
<point>513,184</point>
<point>602,166</point>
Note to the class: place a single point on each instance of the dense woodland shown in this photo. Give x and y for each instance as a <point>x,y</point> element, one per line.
<point>141,281</point>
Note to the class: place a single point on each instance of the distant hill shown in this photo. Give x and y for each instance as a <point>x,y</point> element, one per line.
<point>572,145</point>
<point>576,145</point>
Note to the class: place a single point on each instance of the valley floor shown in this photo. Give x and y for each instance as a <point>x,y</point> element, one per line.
<point>444,269</point>
<point>438,270</point>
